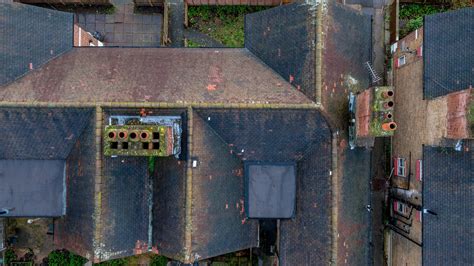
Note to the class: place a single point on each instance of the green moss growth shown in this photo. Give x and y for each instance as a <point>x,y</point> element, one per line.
<point>378,119</point>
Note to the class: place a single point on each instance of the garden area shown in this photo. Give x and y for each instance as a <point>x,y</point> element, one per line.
<point>411,15</point>
<point>65,258</point>
<point>225,24</point>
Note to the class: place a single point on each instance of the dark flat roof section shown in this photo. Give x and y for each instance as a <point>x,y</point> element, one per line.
<point>32,187</point>
<point>270,190</point>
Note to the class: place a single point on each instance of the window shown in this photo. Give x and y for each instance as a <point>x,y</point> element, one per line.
<point>400,207</point>
<point>400,167</point>
<point>401,60</point>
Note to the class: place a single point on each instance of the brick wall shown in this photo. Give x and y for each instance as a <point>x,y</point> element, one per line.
<point>84,38</point>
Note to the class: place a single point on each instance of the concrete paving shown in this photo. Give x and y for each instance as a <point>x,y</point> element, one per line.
<point>124,27</point>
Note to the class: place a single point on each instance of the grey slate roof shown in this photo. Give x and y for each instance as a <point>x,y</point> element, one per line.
<point>300,136</point>
<point>448,185</point>
<point>306,238</point>
<point>40,133</point>
<point>348,45</point>
<point>448,54</point>
<point>75,231</point>
<point>31,35</point>
<point>287,50</point>
<point>168,223</point>
<point>125,206</point>
<point>267,135</point>
<point>218,217</point>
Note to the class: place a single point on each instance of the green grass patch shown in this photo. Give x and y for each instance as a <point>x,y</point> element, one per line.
<point>193,44</point>
<point>223,23</point>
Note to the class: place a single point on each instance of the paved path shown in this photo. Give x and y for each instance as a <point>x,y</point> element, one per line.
<point>176,23</point>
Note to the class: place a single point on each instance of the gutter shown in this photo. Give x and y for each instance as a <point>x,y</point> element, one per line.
<point>318,56</point>
<point>161,105</point>
<point>335,204</point>
<point>189,193</point>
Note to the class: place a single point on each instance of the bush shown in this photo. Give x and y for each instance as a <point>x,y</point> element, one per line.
<point>64,257</point>
<point>10,256</point>
<point>158,261</point>
<point>411,25</point>
<point>415,11</point>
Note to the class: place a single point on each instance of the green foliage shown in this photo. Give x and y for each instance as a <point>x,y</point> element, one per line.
<point>411,25</point>
<point>108,10</point>
<point>10,256</point>
<point>64,258</point>
<point>158,261</point>
<point>414,14</point>
<point>116,262</point>
<point>414,11</point>
<point>223,23</point>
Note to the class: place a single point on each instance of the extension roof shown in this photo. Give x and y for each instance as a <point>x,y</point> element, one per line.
<point>448,186</point>
<point>447,52</point>
<point>33,188</point>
